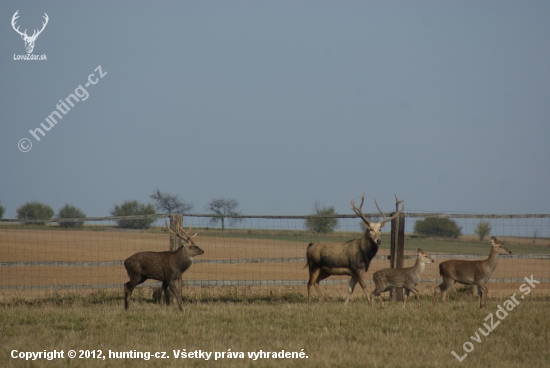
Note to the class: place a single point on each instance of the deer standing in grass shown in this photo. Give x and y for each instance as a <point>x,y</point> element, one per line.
<point>470,273</point>
<point>392,278</point>
<point>162,266</point>
<point>351,258</point>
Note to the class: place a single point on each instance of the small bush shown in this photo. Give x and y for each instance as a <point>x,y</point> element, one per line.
<point>441,227</point>
<point>35,211</point>
<point>483,229</point>
<point>2,210</point>
<point>70,212</point>
<point>134,208</point>
<point>322,224</point>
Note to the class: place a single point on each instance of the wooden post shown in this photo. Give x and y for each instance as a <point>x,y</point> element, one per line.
<point>400,250</point>
<point>176,220</point>
<point>393,247</point>
<point>397,246</point>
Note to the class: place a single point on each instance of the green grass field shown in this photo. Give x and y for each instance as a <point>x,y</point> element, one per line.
<point>272,321</point>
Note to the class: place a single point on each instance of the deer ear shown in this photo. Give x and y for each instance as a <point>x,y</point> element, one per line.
<point>418,250</point>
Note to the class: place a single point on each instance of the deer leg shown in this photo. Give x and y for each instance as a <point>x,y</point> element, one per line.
<point>166,292</point>
<point>448,284</point>
<point>483,296</point>
<point>322,275</point>
<point>313,281</point>
<point>352,283</point>
<point>412,289</point>
<point>363,286</point>
<point>173,289</point>
<point>382,304</point>
<point>129,288</point>
<point>437,289</point>
<point>405,296</point>
<point>376,293</point>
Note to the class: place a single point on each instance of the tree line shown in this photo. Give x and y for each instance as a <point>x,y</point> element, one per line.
<point>223,210</point>
<point>220,208</point>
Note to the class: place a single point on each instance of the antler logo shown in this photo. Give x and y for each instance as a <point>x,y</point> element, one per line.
<point>29,40</point>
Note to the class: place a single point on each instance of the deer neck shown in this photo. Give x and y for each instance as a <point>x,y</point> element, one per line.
<point>369,248</point>
<point>419,267</point>
<point>492,261</point>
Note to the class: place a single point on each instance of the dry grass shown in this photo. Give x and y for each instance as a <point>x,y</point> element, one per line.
<point>216,320</point>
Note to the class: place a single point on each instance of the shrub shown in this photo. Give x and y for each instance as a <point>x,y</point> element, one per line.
<point>483,229</point>
<point>322,224</point>
<point>134,208</point>
<point>35,211</point>
<point>2,210</point>
<point>435,226</point>
<point>70,212</point>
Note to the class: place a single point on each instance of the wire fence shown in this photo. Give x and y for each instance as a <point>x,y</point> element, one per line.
<point>255,251</point>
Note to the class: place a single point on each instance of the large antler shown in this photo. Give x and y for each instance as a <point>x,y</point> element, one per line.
<point>358,211</point>
<point>187,238</point>
<point>397,212</point>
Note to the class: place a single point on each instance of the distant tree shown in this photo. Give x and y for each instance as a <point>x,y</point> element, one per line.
<point>35,211</point>
<point>134,208</point>
<point>435,226</point>
<point>2,210</point>
<point>169,203</point>
<point>70,212</point>
<point>222,208</point>
<point>482,229</point>
<point>322,224</point>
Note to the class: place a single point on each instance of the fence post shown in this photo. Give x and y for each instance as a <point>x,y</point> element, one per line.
<point>397,251</point>
<point>400,250</point>
<point>176,220</point>
<point>393,247</point>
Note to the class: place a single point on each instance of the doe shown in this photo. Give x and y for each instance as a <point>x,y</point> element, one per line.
<point>392,278</point>
<point>470,273</point>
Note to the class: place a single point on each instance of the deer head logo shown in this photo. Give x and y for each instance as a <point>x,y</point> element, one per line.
<point>29,40</point>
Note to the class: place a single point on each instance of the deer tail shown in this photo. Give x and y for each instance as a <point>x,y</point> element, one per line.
<point>307,255</point>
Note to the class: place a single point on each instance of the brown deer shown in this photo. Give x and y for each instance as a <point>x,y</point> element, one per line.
<point>351,258</point>
<point>470,273</point>
<point>162,266</point>
<point>391,278</point>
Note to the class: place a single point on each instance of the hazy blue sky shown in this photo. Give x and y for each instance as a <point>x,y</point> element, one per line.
<point>279,103</point>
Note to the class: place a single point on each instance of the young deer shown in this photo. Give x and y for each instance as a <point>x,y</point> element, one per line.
<point>162,266</point>
<point>470,273</point>
<point>391,278</point>
<point>351,258</point>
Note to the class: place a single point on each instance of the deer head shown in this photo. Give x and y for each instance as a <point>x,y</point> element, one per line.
<point>373,228</point>
<point>186,237</point>
<point>29,40</point>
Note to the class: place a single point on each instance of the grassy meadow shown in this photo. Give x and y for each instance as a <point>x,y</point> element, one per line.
<point>237,320</point>
<point>253,319</point>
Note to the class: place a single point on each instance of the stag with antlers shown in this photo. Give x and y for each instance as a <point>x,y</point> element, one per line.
<point>162,266</point>
<point>351,258</point>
